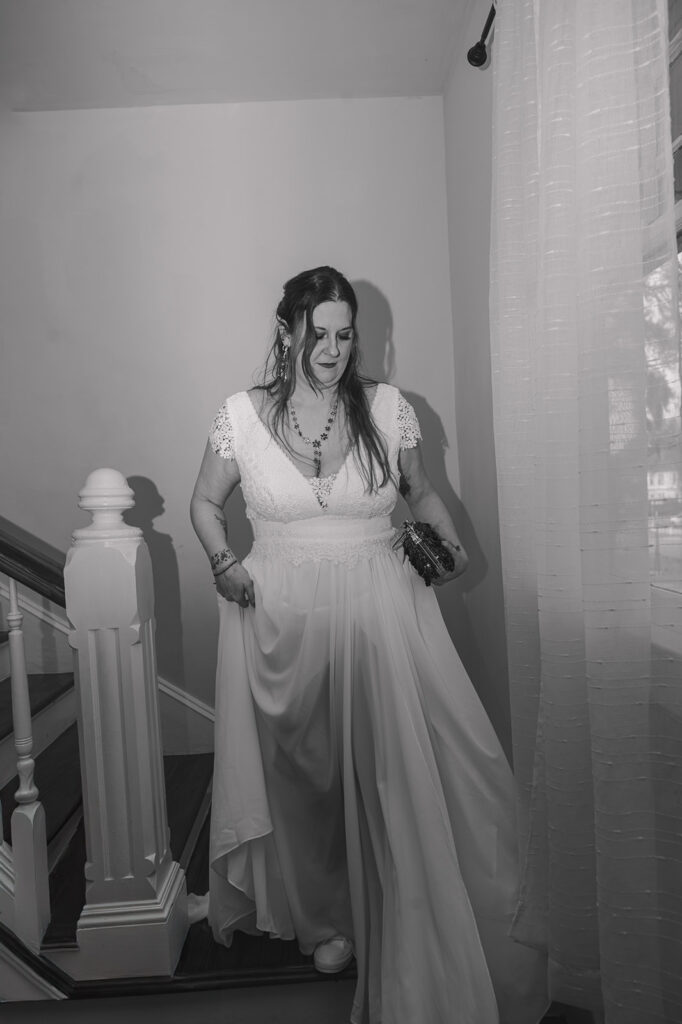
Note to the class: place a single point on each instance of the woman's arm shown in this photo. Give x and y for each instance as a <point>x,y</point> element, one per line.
<point>426,506</point>
<point>217,479</point>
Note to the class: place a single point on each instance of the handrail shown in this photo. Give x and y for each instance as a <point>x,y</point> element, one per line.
<point>32,562</point>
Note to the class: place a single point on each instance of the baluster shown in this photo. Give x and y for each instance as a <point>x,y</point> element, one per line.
<point>21,706</point>
<point>6,872</point>
<point>29,837</point>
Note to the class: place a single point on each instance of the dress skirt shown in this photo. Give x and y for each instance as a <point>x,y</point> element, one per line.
<point>359,787</point>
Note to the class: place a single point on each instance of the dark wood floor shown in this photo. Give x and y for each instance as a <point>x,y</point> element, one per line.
<point>323,1002</point>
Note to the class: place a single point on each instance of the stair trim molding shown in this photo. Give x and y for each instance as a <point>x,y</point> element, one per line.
<point>56,983</point>
<point>195,704</point>
<point>19,981</point>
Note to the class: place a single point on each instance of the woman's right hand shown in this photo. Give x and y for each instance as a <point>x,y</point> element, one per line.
<point>236,585</point>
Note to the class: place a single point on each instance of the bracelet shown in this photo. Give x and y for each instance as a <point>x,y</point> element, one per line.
<point>228,566</point>
<point>222,556</point>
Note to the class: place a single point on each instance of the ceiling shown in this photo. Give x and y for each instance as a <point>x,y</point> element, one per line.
<point>76,54</point>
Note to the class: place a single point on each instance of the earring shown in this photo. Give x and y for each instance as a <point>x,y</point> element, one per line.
<point>283,355</point>
<point>283,362</point>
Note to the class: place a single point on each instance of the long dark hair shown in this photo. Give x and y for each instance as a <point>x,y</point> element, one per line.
<point>295,313</point>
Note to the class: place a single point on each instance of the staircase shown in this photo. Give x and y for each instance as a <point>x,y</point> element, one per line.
<point>203,964</point>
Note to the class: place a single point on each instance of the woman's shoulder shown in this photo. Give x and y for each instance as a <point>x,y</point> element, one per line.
<point>386,388</point>
<point>394,396</point>
<point>386,396</point>
<point>398,414</point>
<point>234,406</point>
<point>226,423</point>
<point>260,400</point>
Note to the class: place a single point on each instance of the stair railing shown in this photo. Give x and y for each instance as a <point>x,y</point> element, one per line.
<point>24,884</point>
<point>24,877</point>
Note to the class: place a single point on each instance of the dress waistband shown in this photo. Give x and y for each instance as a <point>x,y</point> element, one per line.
<point>322,538</point>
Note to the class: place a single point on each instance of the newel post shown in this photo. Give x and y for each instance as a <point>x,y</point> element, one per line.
<point>135,920</point>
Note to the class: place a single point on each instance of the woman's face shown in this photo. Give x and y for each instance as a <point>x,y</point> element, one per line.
<point>333,324</point>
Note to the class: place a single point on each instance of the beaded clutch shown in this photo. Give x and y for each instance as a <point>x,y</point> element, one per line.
<point>425,550</point>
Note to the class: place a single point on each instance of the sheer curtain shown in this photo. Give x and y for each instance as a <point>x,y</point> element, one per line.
<point>584,313</point>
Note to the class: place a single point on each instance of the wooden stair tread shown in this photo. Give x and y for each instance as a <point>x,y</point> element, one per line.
<point>57,776</point>
<point>187,777</point>
<point>248,955</point>
<point>43,689</point>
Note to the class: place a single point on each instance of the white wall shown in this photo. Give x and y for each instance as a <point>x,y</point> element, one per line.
<point>142,253</point>
<point>480,629</point>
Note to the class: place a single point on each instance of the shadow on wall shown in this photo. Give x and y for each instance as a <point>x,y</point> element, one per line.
<point>148,507</point>
<point>375,328</point>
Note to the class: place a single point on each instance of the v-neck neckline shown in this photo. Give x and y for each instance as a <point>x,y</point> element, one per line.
<point>291,462</point>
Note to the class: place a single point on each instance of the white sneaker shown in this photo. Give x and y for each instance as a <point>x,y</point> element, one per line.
<point>333,955</point>
<point>197,907</point>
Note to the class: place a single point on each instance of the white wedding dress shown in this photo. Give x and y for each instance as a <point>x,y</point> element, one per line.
<point>359,787</point>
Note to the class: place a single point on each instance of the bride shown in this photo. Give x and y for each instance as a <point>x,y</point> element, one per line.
<point>361,801</point>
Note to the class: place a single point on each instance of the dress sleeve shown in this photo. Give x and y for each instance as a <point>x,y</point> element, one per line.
<point>408,425</point>
<point>221,434</point>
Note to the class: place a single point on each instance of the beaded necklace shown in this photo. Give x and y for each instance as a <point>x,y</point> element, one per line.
<point>316,442</point>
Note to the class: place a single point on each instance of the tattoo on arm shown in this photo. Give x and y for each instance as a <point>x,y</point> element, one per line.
<point>221,519</point>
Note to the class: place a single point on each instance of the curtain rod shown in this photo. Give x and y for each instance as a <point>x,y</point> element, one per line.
<point>478,55</point>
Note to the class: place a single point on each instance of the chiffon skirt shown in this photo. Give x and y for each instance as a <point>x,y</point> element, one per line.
<point>359,788</point>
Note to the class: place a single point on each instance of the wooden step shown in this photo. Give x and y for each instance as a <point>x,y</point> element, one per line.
<point>187,777</point>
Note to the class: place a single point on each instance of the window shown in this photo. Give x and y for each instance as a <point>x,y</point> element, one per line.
<point>663,358</point>
<point>675,28</point>
<point>664,398</point>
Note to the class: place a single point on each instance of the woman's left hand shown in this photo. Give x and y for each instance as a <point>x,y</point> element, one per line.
<point>461,562</point>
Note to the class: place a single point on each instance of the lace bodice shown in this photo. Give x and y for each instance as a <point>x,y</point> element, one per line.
<point>276,490</point>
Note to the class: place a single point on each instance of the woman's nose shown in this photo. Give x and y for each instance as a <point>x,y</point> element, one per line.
<point>333,346</point>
